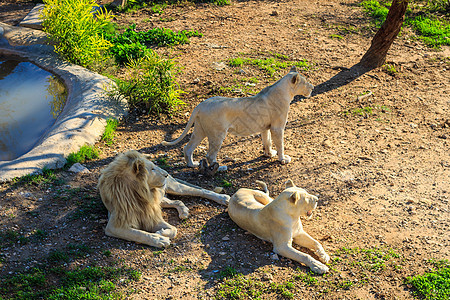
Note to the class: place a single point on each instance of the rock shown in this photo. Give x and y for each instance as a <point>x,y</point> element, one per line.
<point>274,256</point>
<point>222,169</point>
<point>267,277</point>
<point>225,238</point>
<point>222,253</point>
<point>78,168</point>
<point>218,189</point>
<point>219,66</point>
<point>33,19</point>
<point>327,144</point>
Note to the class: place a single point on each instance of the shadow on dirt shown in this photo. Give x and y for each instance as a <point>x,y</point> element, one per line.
<point>232,250</point>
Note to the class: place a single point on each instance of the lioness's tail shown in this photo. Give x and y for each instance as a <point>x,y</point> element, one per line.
<point>263,185</point>
<point>185,131</point>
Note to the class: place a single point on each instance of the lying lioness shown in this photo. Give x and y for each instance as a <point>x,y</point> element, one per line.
<point>278,221</point>
<point>264,113</point>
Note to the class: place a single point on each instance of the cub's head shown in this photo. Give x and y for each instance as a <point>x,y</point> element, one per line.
<point>133,165</point>
<point>299,84</point>
<point>298,200</point>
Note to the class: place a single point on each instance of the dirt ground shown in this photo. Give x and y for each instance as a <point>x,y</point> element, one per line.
<point>383,178</point>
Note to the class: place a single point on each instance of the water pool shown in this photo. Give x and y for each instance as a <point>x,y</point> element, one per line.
<point>30,101</point>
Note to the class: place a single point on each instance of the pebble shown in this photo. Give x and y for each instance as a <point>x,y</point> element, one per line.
<point>274,256</point>
<point>218,189</point>
<point>225,238</point>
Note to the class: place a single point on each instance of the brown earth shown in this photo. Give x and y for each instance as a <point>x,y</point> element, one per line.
<point>383,178</point>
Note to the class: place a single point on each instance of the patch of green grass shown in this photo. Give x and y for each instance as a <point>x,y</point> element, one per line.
<point>151,82</point>
<point>107,253</point>
<point>434,284</point>
<point>162,162</point>
<point>110,131</point>
<point>86,152</point>
<point>374,259</point>
<point>179,269</point>
<point>336,36</point>
<point>270,65</point>
<point>285,289</point>
<point>225,183</point>
<point>227,272</point>
<point>368,111</point>
<point>307,278</point>
<point>47,177</point>
<point>239,287</point>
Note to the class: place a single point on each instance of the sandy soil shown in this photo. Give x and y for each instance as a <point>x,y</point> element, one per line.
<point>383,179</point>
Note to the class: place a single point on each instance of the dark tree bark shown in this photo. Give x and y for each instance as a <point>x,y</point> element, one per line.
<point>383,39</point>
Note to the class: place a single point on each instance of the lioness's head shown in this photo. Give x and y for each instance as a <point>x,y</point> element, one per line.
<point>134,165</point>
<point>300,201</point>
<point>299,84</point>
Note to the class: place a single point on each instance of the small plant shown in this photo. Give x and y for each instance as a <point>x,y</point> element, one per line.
<point>85,153</point>
<point>110,130</point>
<point>152,82</point>
<point>77,33</point>
<point>47,176</point>
<point>107,253</point>
<point>226,183</point>
<point>228,272</point>
<point>434,284</point>
<point>390,69</point>
<point>336,36</point>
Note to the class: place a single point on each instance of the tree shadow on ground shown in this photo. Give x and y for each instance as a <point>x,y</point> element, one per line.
<point>344,77</point>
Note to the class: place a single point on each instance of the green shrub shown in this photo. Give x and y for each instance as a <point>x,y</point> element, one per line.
<point>151,82</point>
<point>433,285</point>
<point>85,153</point>
<point>130,45</point>
<point>77,33</point>
<point>110,129</point>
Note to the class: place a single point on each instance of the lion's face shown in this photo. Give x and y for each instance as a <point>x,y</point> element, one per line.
<point>143,169</point>
<point>302,202</point>
<point>302,86</point>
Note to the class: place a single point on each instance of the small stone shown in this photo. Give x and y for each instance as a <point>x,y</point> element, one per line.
<point>274,256</point>
<point>218,189</point>
<point>327,144</point>
<point>267,277</point>
<point>225,238</point>
<point>222,253</point>
<point>78,168</point>
<point>413,125</point>
<point>222,169</point>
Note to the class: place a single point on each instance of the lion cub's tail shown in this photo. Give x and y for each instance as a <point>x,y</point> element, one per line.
<point>185,131</point>
<point>263,185</point>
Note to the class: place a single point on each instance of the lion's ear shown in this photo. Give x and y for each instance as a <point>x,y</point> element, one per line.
<point>289,183</point>
<point>293,69</point>
<point>295,79</point>
<point>139,168</point>
<point>294,197</point>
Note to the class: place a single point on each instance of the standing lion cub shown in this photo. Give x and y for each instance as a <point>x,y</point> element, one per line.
<point>264,113</point>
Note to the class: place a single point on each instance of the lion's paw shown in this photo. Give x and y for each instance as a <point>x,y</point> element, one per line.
<point>271,153</point>
<point>166,232</point>
<point>160,241</point>
<point>323,256</point>
<point>184,214</point>
<point>319,268</point>
<point>286,159</point>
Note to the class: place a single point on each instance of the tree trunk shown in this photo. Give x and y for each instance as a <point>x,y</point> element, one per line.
<point>383,39</point>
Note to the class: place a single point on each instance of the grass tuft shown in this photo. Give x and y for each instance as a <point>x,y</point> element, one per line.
<point>434,284</point>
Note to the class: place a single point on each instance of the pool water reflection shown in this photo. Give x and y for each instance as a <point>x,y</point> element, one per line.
<point>30,101</point>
